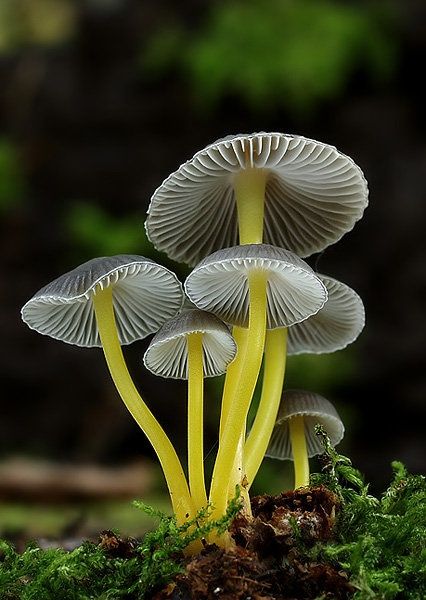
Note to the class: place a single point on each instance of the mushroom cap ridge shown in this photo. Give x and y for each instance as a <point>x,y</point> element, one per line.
<point>145,295</point>
<point>315,409</point>
<point>314,195</point>
<point>167,354</point>
<point>332,328</point>
<point>219,285</point>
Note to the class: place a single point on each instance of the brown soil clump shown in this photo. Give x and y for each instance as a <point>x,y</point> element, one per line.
<point>266,564</point>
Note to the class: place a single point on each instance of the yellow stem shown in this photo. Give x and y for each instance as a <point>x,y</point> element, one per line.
<point>300,452</point>
<point>195,420</point>
<point>232,375</point>
<point>273,378</point>
<point>237,415</point>
<point>249,188</point>
<point>173,472</point>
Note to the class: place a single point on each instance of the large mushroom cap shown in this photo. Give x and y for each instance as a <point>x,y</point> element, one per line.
<point>335,326</point>
<point>315,410</point>
<point>314,195</point>
<point>219,284</point>
<point>145,295</point>
<point>167,354</point>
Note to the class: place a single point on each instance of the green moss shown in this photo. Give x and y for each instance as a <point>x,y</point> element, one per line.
<point>90,572</point>
<point>379,542</point>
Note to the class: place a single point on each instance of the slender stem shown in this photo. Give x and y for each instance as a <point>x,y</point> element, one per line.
<point>249,188</point>
<point>273,378</point>
<point>300,452</point>
<point>237,415</point>
<point>195,420</point>
<point>173,472</point>
<point>232,375</point>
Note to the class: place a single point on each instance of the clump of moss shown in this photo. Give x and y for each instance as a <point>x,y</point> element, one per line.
<point>111,570</point>
<point>377,544</point>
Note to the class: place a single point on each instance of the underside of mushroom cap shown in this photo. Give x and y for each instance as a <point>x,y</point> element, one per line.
<point>219,284</point>
<point>314,195</point>
<point>167,354</point>
<point>145,295</point>
<point>315,410</point>
<point>335,326</point>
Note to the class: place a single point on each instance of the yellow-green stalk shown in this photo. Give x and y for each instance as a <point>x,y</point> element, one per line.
<point>235,423</point>
<point>273,378</point>
<point>179,493</point>
<point>195,420</point>
<point>300,452</point>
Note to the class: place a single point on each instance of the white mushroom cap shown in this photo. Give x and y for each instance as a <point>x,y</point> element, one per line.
<point>167,354</point>
<point>335,326</point>
<point>219,284</point>
<point>315,410</point>
<point>314,195</point>
<point>145,295</point>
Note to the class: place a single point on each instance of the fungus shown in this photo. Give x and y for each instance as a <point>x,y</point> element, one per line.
<point>285,190</point>
<point>255,286</point>
<point>336,325</point>
<point>294,438</point>
<point>107,302</point>
<point>192,345</point>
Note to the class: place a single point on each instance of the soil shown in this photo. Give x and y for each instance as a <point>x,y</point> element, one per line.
<point>265,563</point>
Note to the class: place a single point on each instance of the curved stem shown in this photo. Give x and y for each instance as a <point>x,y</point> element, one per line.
<point>173,472</point>
<point>235,423</point>
<point>300,452</point>
<point>273,378</point>
<point>195,420</point>
<point>249,188</point>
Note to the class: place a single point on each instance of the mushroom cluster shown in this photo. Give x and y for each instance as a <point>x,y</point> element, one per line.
<point>244,212</point>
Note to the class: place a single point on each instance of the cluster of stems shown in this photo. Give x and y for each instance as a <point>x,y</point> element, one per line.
<point>239,456</point>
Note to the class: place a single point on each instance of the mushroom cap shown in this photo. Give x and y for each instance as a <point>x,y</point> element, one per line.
<point>315,410</point>
<point>167,354</point>
<point>335,326</point>
<point>314,195</point>
<point>145,295</point>
<point>219,284</point>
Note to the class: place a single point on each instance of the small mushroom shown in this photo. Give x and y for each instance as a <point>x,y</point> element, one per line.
<point>258,286</point>
<point>193,345</point>
<point>335,326</point>
<point>111,301</point>
<point>285,190</point>
<point>294,438</point>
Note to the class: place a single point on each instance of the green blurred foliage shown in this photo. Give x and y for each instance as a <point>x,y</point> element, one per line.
<point>100,234</point>
<point>35,22</point>
<point>12,184</point>
<point>322,373</point>
<point>278,52</point>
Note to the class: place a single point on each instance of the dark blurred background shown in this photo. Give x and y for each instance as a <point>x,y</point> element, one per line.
<point>101,99</point>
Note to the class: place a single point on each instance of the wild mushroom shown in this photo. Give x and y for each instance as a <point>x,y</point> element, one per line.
<point>107,302</point>
<point>287,190</point>
<point>337,324</point>
<point>294,436</point>
<point>254,286</point>
<point>193,345</point>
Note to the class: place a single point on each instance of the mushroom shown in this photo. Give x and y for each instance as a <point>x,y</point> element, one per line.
<point>287,190</point>
<point>192,345</point>
<point>294,436</point>
<point>255,286</point>
<point>107,302</point>
<point>337,324</point>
